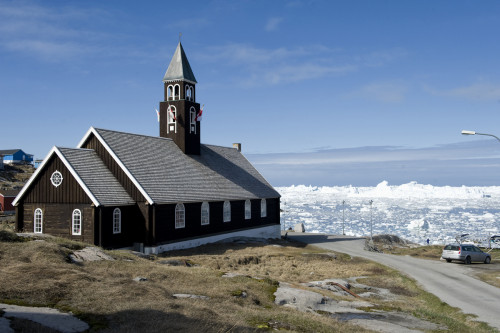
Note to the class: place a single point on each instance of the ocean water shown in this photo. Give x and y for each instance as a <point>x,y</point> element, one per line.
<point>413,211</point>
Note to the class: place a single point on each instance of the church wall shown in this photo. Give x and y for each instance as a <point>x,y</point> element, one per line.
<point>165,230</point>
<point>57,220</point>
<point>132,227</point>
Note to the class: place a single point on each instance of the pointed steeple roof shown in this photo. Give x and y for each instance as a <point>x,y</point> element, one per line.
<point>179,68</point>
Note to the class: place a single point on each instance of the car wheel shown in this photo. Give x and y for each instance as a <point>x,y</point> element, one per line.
<point>487,260</point>
<point>448,260</point>
<point>468,260</point>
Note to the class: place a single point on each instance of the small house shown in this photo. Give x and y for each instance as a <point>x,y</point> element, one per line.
<point>6,199</point>
<point>153,193</point>
<point>16,156</point>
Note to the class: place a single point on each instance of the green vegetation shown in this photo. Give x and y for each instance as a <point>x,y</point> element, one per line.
<point>104,294</point>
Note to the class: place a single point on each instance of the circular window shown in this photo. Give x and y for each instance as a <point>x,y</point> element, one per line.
<point>56,178</point>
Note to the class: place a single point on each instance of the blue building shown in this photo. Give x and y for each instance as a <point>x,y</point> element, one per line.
<point>16,156</point>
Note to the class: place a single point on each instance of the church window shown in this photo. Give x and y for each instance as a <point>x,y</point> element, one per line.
<point>170,92</point>
<point>189,93</point>
<point>263,208</point>
<point>248,210</point>
<point>205,213</point>
<point>180,216</point>
<point>177,92</point>
<point>227,211</point>
<point>76,222</point>
<point>56,178</point>
<point>171,119</point>
<point>117,221</point>
<point>192,120</point>
<point>38,221</point>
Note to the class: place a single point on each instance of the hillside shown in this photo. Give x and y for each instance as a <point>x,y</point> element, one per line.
<point>14,177</point>
<point>239,286</point>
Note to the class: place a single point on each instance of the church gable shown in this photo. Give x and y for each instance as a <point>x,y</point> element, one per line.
<point>53,182</point>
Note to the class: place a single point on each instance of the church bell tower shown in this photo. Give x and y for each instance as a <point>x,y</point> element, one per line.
<point>179,110</point>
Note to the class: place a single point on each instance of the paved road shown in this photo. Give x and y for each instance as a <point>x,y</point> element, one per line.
<point>451,282</point>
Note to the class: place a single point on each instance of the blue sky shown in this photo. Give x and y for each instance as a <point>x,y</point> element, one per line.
<point>281,77</point>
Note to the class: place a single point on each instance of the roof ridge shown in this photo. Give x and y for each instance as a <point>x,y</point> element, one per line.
<point>136,134</point>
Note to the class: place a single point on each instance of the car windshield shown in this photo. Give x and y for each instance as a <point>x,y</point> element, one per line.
<point>451,247</point>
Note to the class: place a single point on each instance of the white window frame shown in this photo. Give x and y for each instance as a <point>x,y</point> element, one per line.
<point>76,221</point>
<point>56,178</point>
<point>248,209</point>
<point>171,122</point>
<point>192,120</point>
<point>170,92</point>
<point>189,93</point>
<point>117,221</point>
<point>205,213</point>
<point>180,216</point>
<point>226,211</point>
<point>38,221</point>
<point>263,208</point>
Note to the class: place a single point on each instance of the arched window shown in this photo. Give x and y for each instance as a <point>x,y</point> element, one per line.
<point>248,210</point>
<point>205,213</point>
<point>76,222</point>
<point>180,216</point>
<point>117,221</point>
<point>171,119</point>
<point>192,120</point>
<point>227,211</point>
<point>170,92</point>
<point>189,93</point>
<point>177,91</point>
<point>263,208</point>
<point>38,221</point>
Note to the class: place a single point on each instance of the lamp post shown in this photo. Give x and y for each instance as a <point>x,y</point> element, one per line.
<point>465,132</point>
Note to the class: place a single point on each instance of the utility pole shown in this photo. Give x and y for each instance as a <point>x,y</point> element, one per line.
<point>371,220</point>
<point>343,216</point>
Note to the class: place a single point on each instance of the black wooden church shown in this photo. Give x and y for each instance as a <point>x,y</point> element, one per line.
<point>155,193</point>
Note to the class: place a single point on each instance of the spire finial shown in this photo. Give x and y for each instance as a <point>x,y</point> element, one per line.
<point>180,35</point>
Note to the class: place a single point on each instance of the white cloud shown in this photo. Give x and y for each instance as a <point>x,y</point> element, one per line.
<point>480,91</point>
<point>47,32</point>
<point>272,23</point>
<point>387,92</point>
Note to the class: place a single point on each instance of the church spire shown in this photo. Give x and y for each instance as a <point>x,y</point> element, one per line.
<point>179,68</point>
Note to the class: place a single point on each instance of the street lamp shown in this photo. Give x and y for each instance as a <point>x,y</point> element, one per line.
<point>465,132</point>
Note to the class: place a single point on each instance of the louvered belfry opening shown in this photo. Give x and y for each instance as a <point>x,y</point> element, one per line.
<point>179,109</point>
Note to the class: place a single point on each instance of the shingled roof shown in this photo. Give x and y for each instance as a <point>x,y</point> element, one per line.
<point>96,176</point>
<point>167,175</point>
<point>179,68</point>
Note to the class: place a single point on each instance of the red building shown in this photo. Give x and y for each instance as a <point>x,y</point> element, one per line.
<point>6,198</point>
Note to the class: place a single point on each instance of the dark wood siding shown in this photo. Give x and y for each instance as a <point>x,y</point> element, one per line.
<point>42,190</point>
<point>57,220</point>
<point>93,143</point>
<point>132,229</point>
<point>165,219</point>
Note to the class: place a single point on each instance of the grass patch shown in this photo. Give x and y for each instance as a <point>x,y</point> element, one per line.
<point>105,295</point>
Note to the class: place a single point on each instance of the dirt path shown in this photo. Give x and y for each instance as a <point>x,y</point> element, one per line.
<point>451,282</point>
